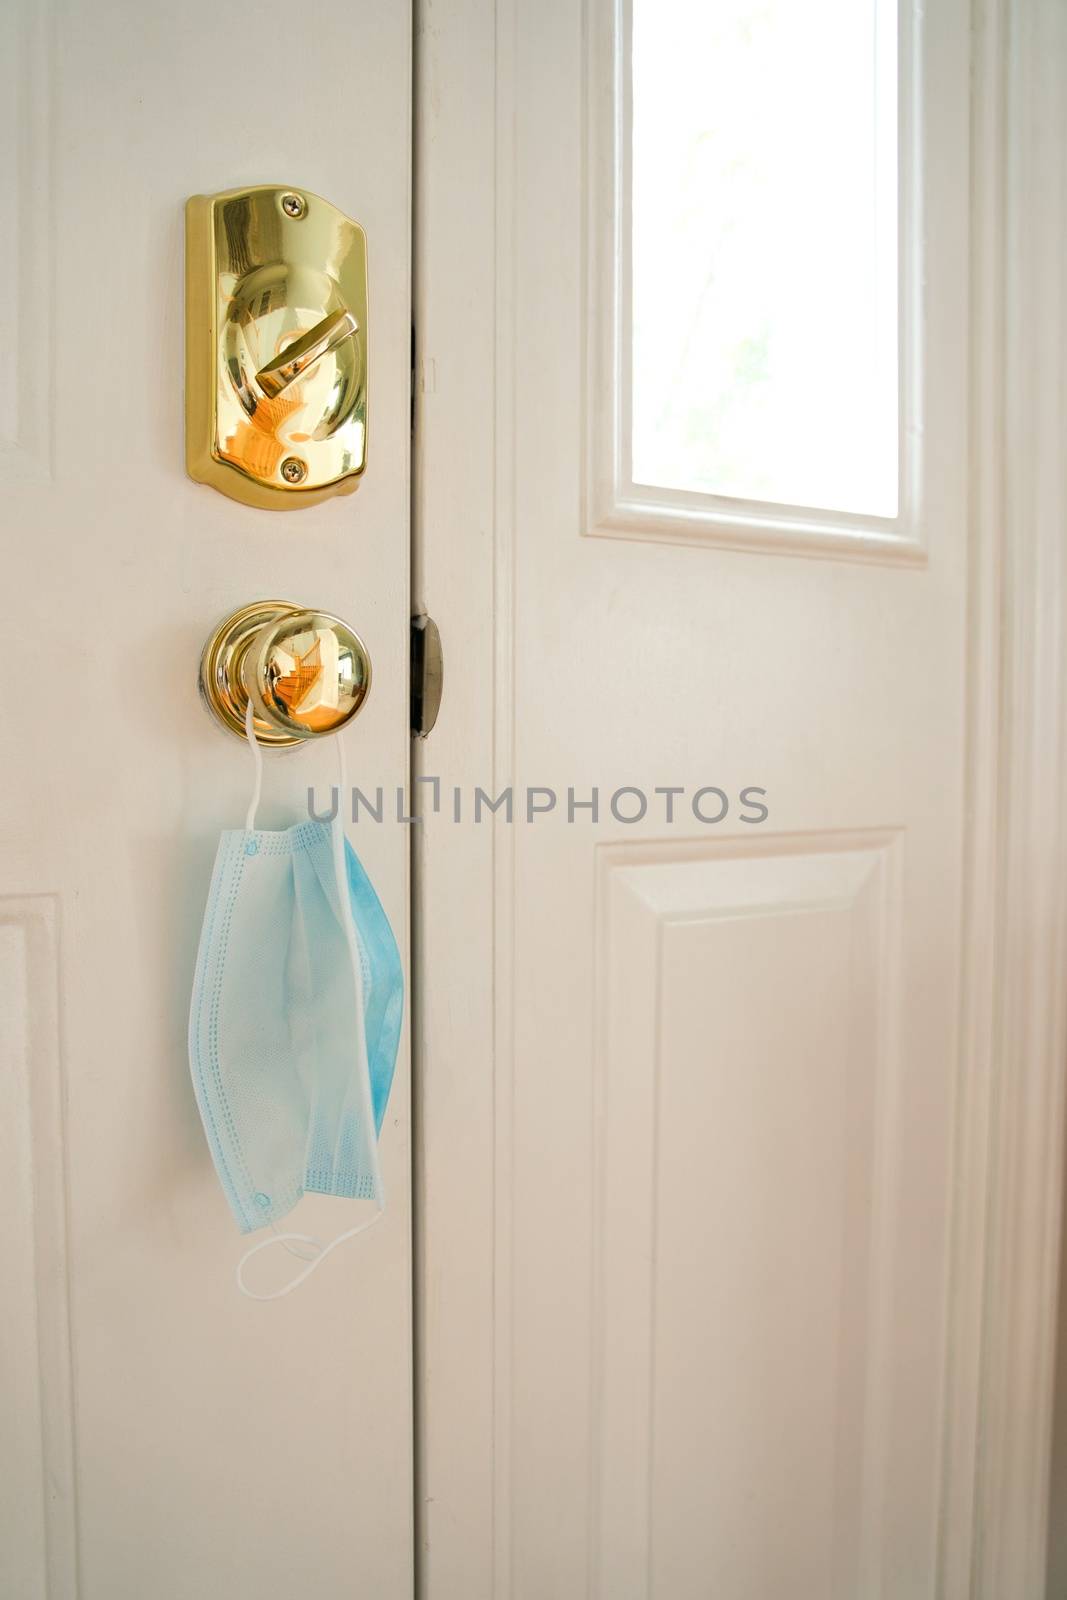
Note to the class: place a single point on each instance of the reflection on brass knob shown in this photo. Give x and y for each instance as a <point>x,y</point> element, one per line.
<point>307,672</point>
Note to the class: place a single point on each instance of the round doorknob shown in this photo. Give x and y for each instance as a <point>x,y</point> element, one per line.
<point>306,672</point>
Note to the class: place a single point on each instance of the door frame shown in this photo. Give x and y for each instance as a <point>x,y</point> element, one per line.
<point>1008,1166</point>
<point>1009,1162</point>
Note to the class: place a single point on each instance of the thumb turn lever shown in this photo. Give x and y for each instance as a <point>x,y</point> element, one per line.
<point>325,336</point>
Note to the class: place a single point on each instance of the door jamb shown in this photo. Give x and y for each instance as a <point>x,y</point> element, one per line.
<point>1009,1159</point>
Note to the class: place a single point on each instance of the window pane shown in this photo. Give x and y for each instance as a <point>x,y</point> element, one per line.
<point>764,250</point>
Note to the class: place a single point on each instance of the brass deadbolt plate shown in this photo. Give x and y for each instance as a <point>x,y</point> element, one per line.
<point>276,346</point>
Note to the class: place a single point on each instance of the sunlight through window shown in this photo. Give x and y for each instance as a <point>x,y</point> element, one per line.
<point>764,251</point>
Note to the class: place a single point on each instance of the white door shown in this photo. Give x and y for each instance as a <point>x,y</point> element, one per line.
<point>693,517</point>
<point>163,1437</point>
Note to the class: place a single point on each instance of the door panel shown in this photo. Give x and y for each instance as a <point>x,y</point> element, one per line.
<point>740,1238</point>
<point>164,1436</point>
<point>717,1091</point>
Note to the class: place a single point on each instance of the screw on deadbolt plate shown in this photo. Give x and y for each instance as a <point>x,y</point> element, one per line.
<point>294,470</point>
<point>294,205</point>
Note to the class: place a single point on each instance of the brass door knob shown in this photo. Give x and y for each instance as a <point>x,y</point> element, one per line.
<point>307,672</point>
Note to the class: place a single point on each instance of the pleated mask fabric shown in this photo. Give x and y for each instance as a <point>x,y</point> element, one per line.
<point>294,1025</point>
<point>291,1065</point>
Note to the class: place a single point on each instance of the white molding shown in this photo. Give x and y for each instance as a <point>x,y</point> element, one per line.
<point>27,272</point>
<point>1009,1172</point>
<point>39,1553</point>
<point>616,507</point>
<point>504,746</point>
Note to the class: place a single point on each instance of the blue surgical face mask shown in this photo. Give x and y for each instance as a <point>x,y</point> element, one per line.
<point>294,1027</point>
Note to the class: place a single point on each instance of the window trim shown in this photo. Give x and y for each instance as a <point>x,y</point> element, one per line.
<point>617,507</point>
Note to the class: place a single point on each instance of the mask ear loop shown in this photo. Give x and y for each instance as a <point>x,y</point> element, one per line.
<point>301,1238</point>
<point>316,1252</point>
<point>257,762</point>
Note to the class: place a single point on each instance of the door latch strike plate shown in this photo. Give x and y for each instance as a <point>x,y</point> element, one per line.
<point>427,674</point>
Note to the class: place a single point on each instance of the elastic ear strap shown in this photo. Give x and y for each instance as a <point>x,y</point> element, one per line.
<point>257,760</point>
<point>300,1253</point>
<point>296,1238</point>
